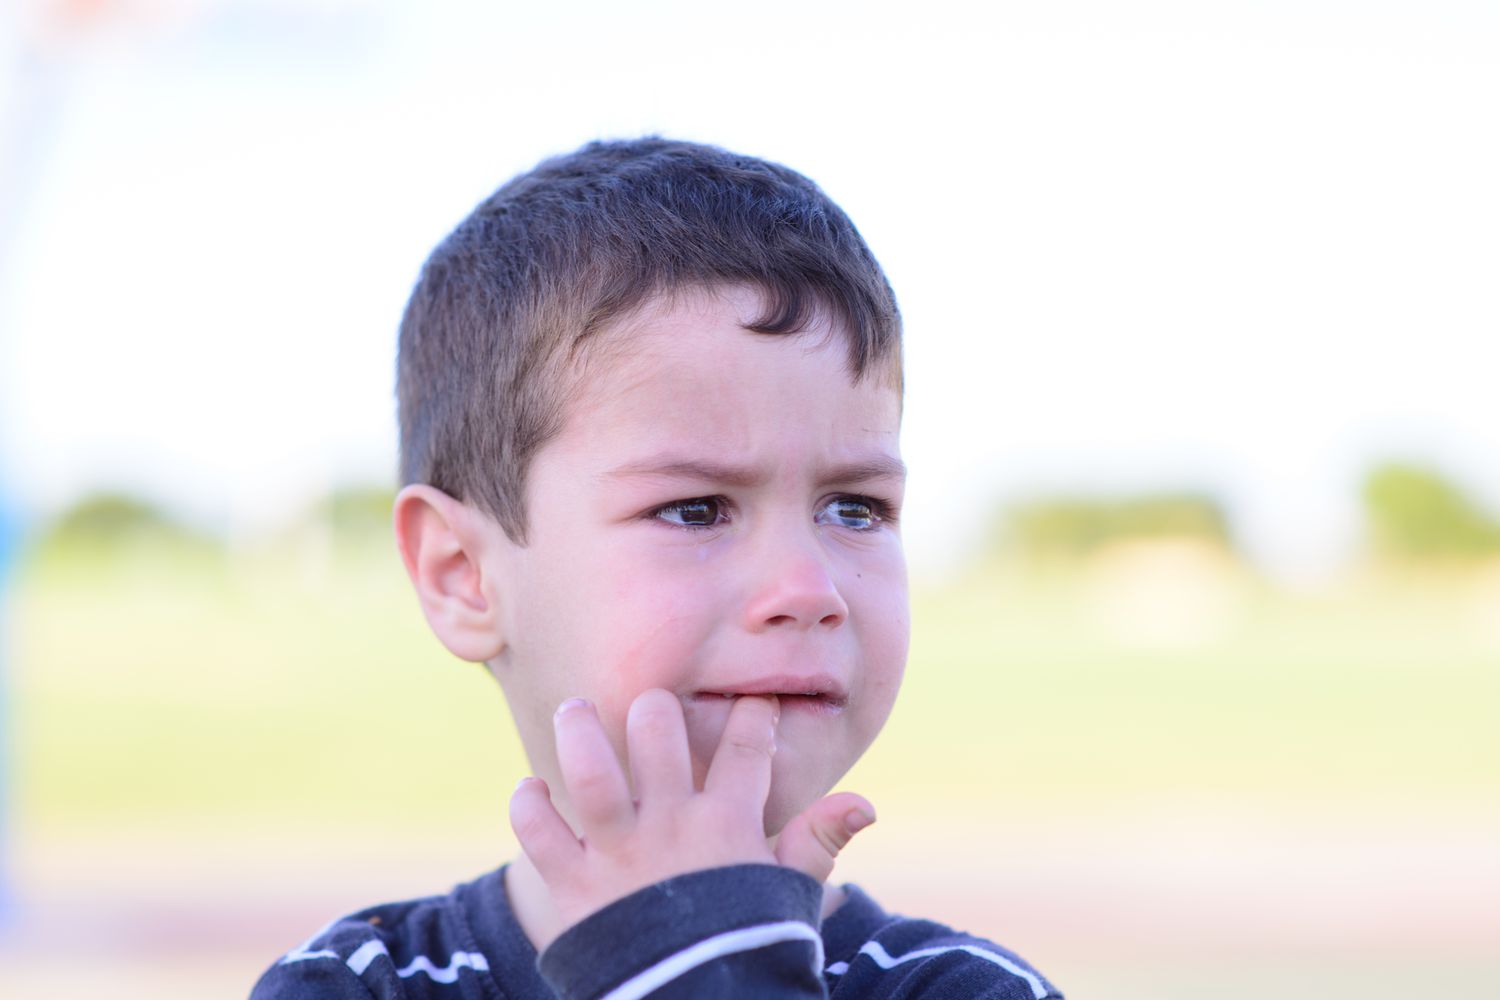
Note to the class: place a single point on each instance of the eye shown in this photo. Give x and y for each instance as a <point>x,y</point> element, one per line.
<point>859,513</point>
<point>699,512</point>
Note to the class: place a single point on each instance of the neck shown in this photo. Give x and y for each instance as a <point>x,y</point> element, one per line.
<point>532,903</point>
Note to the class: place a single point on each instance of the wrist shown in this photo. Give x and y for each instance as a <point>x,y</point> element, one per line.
<point>682,923</point>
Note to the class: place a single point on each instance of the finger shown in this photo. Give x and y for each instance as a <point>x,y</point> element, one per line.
<point>741,768</point>
<point>543,834</point>
<point>814,837</point>
<point>656,735</point>
<point>591,772</point>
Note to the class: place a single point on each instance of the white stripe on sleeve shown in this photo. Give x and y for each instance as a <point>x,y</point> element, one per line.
<point>744,939</point>
<point>304,951</point>
<point>371,950</point>
<point>883,959</point>
<point>364,955</point>
<point>448,974</point>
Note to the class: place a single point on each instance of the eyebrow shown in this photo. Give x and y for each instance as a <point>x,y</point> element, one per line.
<point>670,467</point>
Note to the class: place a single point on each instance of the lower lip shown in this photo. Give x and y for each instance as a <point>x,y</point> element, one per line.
<point>799,704</point>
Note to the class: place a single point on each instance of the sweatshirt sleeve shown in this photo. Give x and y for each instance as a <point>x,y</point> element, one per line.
<point>313,981</point>
<point>400,951</point>
<point>739,931</point>
<point>320,969</point>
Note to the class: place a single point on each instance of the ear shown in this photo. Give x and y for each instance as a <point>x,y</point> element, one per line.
<point>443,542</point>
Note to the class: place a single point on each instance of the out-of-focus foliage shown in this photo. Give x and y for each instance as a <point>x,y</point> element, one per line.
<point>1067,528</point>
<point>106,526</point>
<point>1416,514</point>
<point>109,515</point>
<point>358,511</point>
<point>347,523</point>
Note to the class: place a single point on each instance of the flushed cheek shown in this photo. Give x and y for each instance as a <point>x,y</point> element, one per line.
<point>641,647</point>
<point>654,644</point>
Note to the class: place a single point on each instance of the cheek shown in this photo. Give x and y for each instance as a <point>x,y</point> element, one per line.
<point>893,639</point>
<point>650,631</point>
<point>885,620</point>
<point>876,584</point>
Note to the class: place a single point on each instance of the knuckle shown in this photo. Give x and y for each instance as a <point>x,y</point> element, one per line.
<point>591,783</point>
<point>528,825</point>
<point>828,839</point>
<point>748,749</point>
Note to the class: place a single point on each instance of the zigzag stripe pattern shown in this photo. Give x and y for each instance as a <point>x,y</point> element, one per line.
<point>371,950</point>
<point>883,959</point>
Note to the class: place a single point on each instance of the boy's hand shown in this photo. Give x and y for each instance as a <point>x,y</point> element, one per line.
<point>672,828</point>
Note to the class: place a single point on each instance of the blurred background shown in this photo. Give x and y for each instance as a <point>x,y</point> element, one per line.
<point>1203,338</point>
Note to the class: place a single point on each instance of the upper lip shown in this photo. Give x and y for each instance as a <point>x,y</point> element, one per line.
<point>824,686</point>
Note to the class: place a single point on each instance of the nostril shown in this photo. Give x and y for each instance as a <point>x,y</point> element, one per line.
<point>832,620</point>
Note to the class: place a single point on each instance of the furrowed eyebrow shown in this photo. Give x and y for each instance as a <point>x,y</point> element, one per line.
<point>852,474</point>
<point>856,473</point>
<point>669,468</point>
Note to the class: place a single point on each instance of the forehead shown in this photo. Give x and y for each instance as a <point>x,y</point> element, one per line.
<point>685,366</point>
<point>683,310</point>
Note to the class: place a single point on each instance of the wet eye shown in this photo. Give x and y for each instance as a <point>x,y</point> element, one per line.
<point>700,512</point>
<point>859,513</point>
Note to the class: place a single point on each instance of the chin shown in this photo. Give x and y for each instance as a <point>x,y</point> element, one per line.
<point>789,796</point>
<point>778,816</point>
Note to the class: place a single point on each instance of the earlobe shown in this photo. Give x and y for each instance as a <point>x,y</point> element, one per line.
<point>442,545</point>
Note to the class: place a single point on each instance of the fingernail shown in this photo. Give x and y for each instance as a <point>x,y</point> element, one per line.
<point>570,705</point>
<point>520,784</point>
<point>856,820</point>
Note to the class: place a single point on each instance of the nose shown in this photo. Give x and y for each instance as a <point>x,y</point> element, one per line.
<point>795,590</point>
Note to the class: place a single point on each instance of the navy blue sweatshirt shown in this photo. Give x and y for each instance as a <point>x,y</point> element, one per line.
<point>740,931</point>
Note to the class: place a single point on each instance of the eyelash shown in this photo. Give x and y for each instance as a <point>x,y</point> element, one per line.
<point>882,511</point>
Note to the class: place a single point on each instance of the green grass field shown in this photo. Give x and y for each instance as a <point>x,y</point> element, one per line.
<point>222,694</point>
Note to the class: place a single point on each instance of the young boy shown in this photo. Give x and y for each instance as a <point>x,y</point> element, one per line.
<point>650,396</point>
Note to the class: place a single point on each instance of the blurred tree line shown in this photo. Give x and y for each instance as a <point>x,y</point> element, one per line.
<point>1065,529</point>
<point>104,527</point>
<point>1415,515</point>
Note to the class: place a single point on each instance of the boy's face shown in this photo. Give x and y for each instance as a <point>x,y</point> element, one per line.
<point>716,516</point>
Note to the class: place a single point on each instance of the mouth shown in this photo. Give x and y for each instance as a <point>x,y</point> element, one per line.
<point>818,695</point>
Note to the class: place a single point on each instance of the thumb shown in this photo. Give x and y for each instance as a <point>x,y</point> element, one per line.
<point>811,841</point>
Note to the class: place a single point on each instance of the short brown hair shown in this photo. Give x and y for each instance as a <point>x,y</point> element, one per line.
<point>506,300</point>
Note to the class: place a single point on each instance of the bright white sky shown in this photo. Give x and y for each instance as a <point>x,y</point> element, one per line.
<point>1246,247</point>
